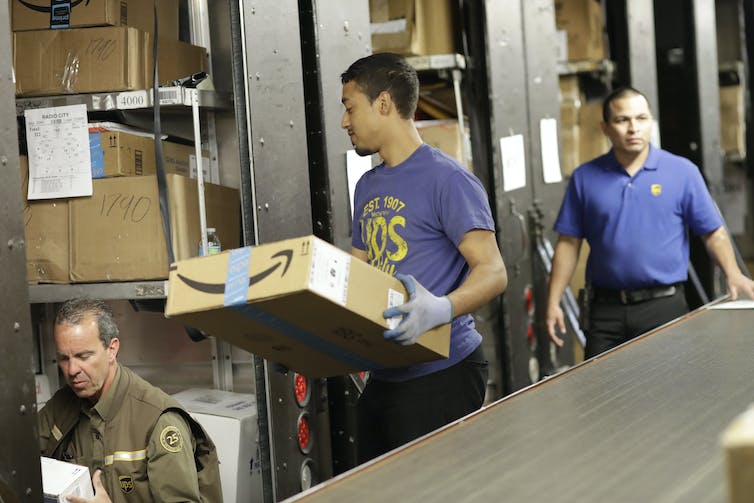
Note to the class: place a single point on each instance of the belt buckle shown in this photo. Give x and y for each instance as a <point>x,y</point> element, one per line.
<point>623,295</point>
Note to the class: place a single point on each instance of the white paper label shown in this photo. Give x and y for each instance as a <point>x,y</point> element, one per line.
<point>548,130</point>
<point>513,158</point>
<point>356,166</point>
<point>133,99</point>
<point>329,272</point>
<point>394,298</point>
<point>58,145</point>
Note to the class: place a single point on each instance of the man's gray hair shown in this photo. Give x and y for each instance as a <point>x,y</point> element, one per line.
<point>73,311</point>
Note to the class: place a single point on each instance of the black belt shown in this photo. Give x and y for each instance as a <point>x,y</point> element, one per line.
<point>607,295</point>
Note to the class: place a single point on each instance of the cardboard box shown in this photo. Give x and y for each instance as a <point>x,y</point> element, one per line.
<point>732,121</point>
<point>738,445</point>
<point>570,106</point>
<point>61,479</point>
<point>444,135</point>
<point>582,20</point>
<point>230,419</point>
<point>117,234</point>
<point>301,302</point>
<point>92,60</point>
<point>116,153</point>
<point>412,27</point>
<point>46,235</point>
<point>35,15</point>
<point>592,141</point>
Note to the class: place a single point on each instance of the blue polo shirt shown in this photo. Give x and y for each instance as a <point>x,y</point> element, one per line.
<point>637,227</point>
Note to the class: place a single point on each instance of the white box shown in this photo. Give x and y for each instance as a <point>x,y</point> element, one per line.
<point>61,479</point>
<point>230,419</point>
<point>43,389</point>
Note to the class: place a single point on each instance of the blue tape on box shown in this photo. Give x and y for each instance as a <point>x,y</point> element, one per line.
<point>97,154</point>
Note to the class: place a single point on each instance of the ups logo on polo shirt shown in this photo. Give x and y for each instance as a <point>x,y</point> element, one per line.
<point>126,483</point>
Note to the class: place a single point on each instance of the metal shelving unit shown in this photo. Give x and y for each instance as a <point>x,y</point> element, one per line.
<point>130,100</point>
<point>586,66</point>
<point>174,96</point>
<point>139,290</point>
<point>454,64</point>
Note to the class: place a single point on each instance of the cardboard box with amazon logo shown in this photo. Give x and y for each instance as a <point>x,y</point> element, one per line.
<point>300,302</point>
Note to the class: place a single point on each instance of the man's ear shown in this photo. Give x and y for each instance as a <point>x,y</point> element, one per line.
<point>114,347</point>
<point>384,103</point>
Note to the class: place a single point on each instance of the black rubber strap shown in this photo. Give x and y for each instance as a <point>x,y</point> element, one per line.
<point>162,185</point>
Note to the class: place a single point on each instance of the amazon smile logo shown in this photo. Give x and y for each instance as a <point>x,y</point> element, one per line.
<point>47,7</point>
<point>284,257</point>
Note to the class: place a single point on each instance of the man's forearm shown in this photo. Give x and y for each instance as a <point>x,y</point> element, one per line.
<point>563,266</point>
<point>484,282</point>
<point>720,249</point>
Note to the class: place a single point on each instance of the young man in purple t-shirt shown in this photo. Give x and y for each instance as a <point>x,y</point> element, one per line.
<point>424,218</point>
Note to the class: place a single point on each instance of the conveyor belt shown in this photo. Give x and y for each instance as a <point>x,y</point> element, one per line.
<point>638,424</point>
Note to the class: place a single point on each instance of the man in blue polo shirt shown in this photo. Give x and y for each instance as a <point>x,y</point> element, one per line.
<point>634,206</point>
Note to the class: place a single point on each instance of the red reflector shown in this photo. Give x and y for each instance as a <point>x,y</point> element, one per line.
<point>529,300</point>
<point>301,390</point>
<point>304,434</point>
<point>530,334</point>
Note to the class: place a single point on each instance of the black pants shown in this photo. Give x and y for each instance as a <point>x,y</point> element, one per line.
<point>392,414</point>
<point>612,324</point>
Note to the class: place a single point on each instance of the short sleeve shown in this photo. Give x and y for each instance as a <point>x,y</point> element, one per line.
<point>464,206</point>
<point>569,221</point>
<point>170,467</point>
<point>700,212</point>
<point>356,239</point>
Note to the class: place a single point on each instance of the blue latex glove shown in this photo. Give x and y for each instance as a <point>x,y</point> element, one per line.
<point>422,312</point>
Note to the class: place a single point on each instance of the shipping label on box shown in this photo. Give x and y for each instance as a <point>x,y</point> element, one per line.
<point>61,479</point>
<point>300,302</point>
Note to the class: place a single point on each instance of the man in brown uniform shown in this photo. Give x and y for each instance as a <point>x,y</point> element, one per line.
<point>139,443</point>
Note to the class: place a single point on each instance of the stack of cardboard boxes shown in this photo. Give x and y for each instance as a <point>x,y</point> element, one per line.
<point>580,28</point>
<point>97,46</point>
<point>116,234</point>
<point>581,135</point>
<point>412,27</point>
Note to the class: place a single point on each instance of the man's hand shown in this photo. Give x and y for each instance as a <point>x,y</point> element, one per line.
<point>100,495</point>
<point>422,312</point>
<point>740,284</point>
<point>555,319</point>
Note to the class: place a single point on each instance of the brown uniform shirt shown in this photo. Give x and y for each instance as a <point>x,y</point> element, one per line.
<point>138,464</point>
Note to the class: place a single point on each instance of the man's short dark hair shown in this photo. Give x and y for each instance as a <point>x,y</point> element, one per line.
<point>386,72</point>
<point>73,311</point>
<point>617,94</point>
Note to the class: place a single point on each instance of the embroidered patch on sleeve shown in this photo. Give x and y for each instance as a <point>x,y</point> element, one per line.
<point>171,439</point>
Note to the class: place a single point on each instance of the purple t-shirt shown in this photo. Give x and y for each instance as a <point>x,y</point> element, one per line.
<point>410,218</point>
